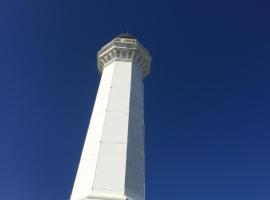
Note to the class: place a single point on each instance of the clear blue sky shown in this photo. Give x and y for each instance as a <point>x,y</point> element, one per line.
<point>207,107</point>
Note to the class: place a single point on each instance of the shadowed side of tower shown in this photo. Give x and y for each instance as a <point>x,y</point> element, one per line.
<point>112,160</point>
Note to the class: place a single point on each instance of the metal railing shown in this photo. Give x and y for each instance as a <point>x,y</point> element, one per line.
<point>122,42</point>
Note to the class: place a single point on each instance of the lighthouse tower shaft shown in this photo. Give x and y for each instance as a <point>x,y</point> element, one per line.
<point>112,160</point>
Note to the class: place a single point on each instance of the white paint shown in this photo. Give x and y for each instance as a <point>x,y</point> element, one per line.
<point>112,160</point>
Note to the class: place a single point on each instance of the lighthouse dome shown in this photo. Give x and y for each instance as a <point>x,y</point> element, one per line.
<point>125,35</point>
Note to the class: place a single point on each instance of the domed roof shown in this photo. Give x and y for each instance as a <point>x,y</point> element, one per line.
<point>125,35</point>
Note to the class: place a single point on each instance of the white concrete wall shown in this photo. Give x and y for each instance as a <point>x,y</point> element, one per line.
<point>112,161</point>
<point>134,185</point>
<point>86,172</point>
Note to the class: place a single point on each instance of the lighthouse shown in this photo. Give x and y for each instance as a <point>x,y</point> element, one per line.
<point>112,164</point>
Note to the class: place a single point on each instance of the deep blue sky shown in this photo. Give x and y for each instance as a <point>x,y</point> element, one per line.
<point>207,100</point>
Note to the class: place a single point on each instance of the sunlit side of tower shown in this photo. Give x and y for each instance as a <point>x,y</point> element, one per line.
<point>112,160</point>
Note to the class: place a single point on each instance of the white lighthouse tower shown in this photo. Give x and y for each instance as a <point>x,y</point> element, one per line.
<point>112,160</point>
